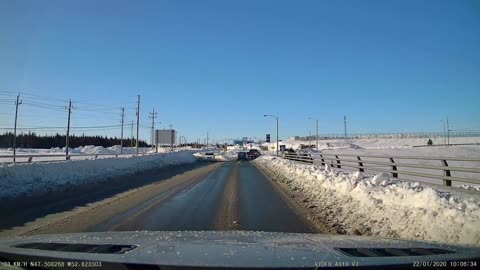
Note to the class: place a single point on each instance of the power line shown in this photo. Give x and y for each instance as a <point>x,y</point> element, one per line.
<point>96,110</point>
<point>85,127</point>
<point>32,102</point>
<point>58,109</point>
<point>28,95</point>
<point>7,103</point>
<point>42,97</point>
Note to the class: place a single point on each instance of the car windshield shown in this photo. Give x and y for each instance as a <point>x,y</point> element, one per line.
<point>357,141</point>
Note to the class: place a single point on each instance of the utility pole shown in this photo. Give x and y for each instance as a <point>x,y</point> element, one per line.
<point>153,115</point>
<point>172,136</point>
<point>131,141</point>
<point>156,140</point>
<point>68,126</point>
<point>309,139</point>
<point>345,125</point>
<point>138,121</point>
<point>207,139</point>
<point>277,135</point>
<point>448,133</point>
<point>316,144</point>
<point>18,102</point>
<point>444,133</point>
<point>121,135</point>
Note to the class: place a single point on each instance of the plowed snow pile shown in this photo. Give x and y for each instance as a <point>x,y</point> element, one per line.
<point>380,206</point>
<point>26,178</point>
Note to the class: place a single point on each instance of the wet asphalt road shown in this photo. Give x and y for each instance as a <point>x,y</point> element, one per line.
<point>236,196</point>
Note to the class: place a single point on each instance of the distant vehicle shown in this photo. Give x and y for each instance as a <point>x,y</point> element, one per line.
<point>242,156</point>
<point>209,155</point>
<point>253,154</point>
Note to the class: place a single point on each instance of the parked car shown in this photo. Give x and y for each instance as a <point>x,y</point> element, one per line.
<point>242,156</point>
<point>253,154</point>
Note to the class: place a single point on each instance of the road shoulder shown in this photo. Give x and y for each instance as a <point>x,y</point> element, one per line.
<point>296,201</point>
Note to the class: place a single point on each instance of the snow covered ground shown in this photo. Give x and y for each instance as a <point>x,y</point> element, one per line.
<point>25,178</point>
<point>77,153</point>
<point>371,144</point>
<point>404,147</point>
<point>379,206</point>
<point>469,151</point>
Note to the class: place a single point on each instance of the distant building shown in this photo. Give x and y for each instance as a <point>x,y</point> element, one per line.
<point>243,142</point>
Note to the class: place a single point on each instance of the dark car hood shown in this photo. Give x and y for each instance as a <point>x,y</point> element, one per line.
<point>229,249</point>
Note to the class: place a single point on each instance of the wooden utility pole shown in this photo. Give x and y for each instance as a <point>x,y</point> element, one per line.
<point>138,120</point>
<point>448,133</point>
<point>131,141</point>
<point>121,134</point>
<point>18,102</point>
<point>172,137</point>
<point>68,128</point>
<point>153,115</point>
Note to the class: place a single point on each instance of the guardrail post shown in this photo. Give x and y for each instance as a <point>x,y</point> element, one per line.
<point>394,174</point>
<point>360,164</point>
<point>338,162</point>
<point>67,158</point>
<point>446,173</point>
<point>96,156</point>
<point>116,155</point>
<point>323,160</point>
<point>30,159</point>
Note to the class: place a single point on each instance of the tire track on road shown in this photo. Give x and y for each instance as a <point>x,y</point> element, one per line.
<point>228,213</point>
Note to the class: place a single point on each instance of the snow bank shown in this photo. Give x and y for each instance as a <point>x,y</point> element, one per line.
<point>380,206</point>
<point>39,177</point>
<point>470,187</point>
<point>85,150</point>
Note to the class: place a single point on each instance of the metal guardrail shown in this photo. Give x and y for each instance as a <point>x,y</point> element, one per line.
<point>298,157</point>
<point>60,157</point>
<point>377,165</point>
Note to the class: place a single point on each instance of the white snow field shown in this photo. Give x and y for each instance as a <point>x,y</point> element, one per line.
<point>77,153</point>
<point>394,147</point>
<point>374,144</point>
<point>24,178</point>
<point>379,206</point>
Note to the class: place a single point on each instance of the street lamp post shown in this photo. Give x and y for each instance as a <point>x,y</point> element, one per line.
<point>316,123</point>
<point>276,118</point>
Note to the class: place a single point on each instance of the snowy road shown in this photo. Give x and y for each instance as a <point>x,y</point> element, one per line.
<point>231,195</point>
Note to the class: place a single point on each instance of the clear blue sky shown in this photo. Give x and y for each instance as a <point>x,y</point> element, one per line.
<point>390,66</point>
